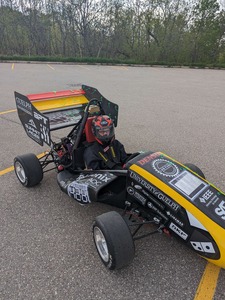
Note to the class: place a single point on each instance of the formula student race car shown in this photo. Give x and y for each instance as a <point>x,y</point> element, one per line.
<point>153,188</point>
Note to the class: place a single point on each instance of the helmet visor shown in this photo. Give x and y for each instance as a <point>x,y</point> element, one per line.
<point>104,132</point>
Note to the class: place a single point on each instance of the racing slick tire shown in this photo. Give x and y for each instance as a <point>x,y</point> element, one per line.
<point>195,169</point>
<point>28,169</point>
<point>113,240</point>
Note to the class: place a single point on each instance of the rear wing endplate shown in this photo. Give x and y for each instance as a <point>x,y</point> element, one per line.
<point>34,122</point>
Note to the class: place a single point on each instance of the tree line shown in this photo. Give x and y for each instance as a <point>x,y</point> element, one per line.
<point>168,31</point>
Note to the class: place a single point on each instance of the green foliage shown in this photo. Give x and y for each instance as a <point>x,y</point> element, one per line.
<point>107,61</point>
<point>108,31</point>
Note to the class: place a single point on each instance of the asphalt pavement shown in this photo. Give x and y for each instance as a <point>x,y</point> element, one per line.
<point>46,247</point>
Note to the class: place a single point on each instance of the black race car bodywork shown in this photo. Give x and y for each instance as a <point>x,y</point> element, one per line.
<point>152,188</point>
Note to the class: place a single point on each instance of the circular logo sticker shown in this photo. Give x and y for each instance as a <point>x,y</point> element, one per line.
<point>130,190</point>
<point>165,167</point>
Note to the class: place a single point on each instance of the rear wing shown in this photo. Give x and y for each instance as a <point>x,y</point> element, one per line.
<point>42,113</point>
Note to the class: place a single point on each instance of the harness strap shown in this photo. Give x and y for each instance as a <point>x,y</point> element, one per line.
<point>113,152</point>
<point>109,163</point>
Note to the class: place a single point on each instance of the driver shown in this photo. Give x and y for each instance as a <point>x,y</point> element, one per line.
<point>106,152</point>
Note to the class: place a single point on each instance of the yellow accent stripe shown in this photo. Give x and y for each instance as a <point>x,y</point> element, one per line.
<point>48,104</point>
<point>216,231</point>
<point>105,159</point>
<point>3,172</point>
<point>55,103</point>
<point>207,285</point>
<point>10,169</point>
<point>7,111</point>
<point>113,152</point>
<point>41,155</point>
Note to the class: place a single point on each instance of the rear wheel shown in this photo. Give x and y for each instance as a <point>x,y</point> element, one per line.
<point>195,169</point>
<point>28,169</point>
<point>113,240</point>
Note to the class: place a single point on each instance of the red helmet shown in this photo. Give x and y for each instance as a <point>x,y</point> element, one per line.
<point>103,129</point>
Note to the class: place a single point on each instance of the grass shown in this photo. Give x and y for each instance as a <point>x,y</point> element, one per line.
<point>109,61</point>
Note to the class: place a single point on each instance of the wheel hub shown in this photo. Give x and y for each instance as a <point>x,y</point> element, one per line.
<point>20,172</point>
<point>101,244</point>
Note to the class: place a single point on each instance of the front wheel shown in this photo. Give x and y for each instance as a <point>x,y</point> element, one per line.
<point>28,169</point>
<point>113,240</point>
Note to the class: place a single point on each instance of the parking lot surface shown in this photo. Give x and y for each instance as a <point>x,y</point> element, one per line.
<point>46,247</point>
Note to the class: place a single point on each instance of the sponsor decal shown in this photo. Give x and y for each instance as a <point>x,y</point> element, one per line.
<point>174,218</point>
<point>165,167</point>
<point>38,136</point>
<point>79,192</point>
<point>220,210</point>
<point>66,117</point>
<point>137,187</point>
<point>189,185</point>
<point>103,177</point>
<point>24,105</point>
<point>148,158</point>
<point>156,210</point>
<point>157,193</point>
<point>213,201</point>
<point>140,180</point>
<point>95,180</point>
<point>32,132</point>
<point>152,198</point>
<point>194,222</point>
<point>206,247</point>
<point>45,134</point>
<point>106,149</point>
<point>40,117</point>
<point>178,231</point>
<point>137,195</point>
<point>31,123</point>
<point>130,190</point>
<point>206,196</point>
<point>145,193</point>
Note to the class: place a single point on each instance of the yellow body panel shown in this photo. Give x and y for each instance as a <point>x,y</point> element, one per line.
<point>57,103</point>
<point>216,231</point>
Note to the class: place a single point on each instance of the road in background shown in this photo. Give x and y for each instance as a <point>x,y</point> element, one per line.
<point>46,244</point>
